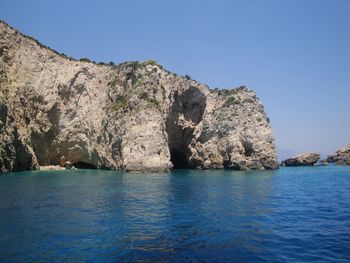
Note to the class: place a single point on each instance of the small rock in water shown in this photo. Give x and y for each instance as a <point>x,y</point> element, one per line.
<point>304,159</point>
<point>341,156</point>
<point>68,165</point>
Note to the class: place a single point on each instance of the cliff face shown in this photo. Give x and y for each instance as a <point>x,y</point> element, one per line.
<point>133,116</point>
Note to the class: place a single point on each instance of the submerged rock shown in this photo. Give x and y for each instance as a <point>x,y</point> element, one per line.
<point>341,156</point>
<point>304,159</point>
<point>135,116</point>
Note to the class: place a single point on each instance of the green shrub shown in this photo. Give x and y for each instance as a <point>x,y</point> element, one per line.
<point>153,63</point>
<point>232,91</point>
<point>134,64</point>
<point>188,77</point>
<point>120,103</point>
<point>138,82</point>
<point>153,101</point>
<point>143,96</point>
<point>84,60</point>
<point>231,101</point>
<point>150,101</point>
<point>113,82</point>
<point>248,100</point>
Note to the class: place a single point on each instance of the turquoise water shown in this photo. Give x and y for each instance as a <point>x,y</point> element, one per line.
<point>288,215</point>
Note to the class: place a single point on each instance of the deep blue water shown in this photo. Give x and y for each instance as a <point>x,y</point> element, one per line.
<point>288,215</point>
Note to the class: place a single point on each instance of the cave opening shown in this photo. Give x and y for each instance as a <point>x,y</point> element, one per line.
<point>179,159</point>
<point>248,148</point>
<point>231,166</point>
<point>184,114</point>
<point>84,165</point>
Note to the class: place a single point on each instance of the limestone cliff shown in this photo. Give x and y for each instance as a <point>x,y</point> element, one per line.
<point>132,116</point>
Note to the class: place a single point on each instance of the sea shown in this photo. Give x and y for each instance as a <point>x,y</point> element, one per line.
<point>293,214</point>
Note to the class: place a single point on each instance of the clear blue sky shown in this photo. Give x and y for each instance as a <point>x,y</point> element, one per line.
<point>294,53</point>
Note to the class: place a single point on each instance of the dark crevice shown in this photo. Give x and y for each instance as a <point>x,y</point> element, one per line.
<point>230,166</point>
<point>84,165</point>
<point>179,160</point>
<point>248,148</point>
<point>191,105</point>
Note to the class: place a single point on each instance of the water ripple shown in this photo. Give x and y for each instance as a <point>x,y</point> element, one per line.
<point>289,215</point>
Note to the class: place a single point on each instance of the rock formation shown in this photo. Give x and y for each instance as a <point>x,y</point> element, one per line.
<point>341,156</point>
<point>304,159</point>
<point>15,154</point>
<point>135,116</point>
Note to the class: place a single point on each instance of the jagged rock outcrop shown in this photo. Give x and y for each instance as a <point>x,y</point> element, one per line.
<point>15,155</point>
<point>341,156</point>
<point>304,159</point>
<point>135,116</point>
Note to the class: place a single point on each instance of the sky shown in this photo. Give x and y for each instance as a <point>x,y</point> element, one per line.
<point>294,53</point>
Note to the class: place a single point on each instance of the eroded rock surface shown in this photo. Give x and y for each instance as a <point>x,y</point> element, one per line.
<point>341,156</point>
<point>15,154</point>
<point>304,159</point>
<point>135,116</point>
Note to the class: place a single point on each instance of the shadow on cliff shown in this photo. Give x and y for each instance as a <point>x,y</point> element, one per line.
<point>185,113</point>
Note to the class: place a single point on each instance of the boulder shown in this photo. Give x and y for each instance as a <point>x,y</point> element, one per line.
<point>341,156</point>
<point>304,159</point>
<point>68,165</point>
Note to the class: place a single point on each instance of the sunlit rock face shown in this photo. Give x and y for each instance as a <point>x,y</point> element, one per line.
<point>135,116</point>
<point>304,159</point>
<point>341,156</point>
